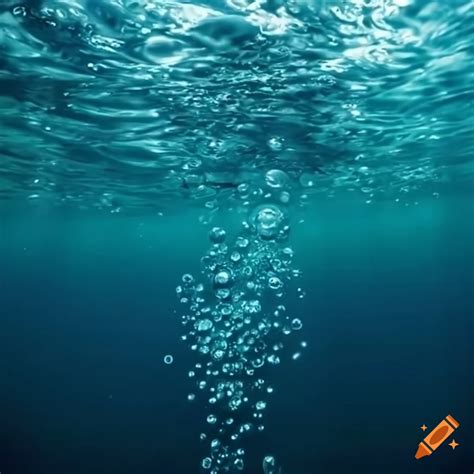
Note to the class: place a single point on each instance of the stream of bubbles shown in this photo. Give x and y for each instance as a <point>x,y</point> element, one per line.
<point>236,323</point>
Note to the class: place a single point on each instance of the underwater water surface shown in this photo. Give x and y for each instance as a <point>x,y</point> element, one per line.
<point>236,236</point>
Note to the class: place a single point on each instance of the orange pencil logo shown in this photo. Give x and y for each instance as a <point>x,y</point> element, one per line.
<point>437,437</point>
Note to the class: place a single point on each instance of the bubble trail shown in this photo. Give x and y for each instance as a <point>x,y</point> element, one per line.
<point>236,324</point>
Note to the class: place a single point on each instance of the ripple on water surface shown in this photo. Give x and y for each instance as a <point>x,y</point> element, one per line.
<point>164,101</point>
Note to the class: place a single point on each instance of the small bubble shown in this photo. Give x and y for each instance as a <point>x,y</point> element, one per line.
<point>168,359</point>
<point>275,283</point>
<point>204,325</point>
<point>19,11</point>
<point>242,242</point>
<point>187,278</point>
<point>296,324</point>
<point>273,359</point>
<point>261,405</point>
<point>211,419</point>
<point>275,143</point>
<point>222,278</point>
<point>269,465</point>
<point>217,235</point>
<point>307,180</point>
<point>223,293</point>
<point>285,197</point>
<point>276,179</point>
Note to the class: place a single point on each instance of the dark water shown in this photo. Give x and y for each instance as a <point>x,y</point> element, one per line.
<point>88,314</point>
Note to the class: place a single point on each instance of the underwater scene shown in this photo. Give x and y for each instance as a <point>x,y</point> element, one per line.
<point>236,236</point>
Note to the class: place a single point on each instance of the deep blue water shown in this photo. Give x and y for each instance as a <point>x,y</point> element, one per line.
<point>88,314</point>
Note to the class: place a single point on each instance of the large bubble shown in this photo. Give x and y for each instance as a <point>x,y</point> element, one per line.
<point>276,179</point>
<point>223,278</point>
<point>269,221</point>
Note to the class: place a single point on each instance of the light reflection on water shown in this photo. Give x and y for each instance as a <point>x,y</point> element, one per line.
<point>143,104</point>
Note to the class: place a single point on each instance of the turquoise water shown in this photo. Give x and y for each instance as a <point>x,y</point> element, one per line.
<point>235,236</point>
<point>119,104</point>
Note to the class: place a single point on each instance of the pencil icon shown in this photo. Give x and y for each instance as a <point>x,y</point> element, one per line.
<point>436,437</point>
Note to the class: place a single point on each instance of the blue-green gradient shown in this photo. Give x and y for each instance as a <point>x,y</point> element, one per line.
<point>88,313</point>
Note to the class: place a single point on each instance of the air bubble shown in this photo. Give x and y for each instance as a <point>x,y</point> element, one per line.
<point>273,359</point>
<point>275,143</point>
<point>261,405</point>
<point>307,180</point>
<point>204,325</point>
<point>275,283</point>
<point>269,222</point>
<point>187,278</point>
<point>234,325</point>
<point>276,179</point>
<point>269,465</point>
<point>285,197</point>
<point>222,278</point>
<point>211,419</point>
<point>19,11</point>
<point>296,324</point>
<point>242,242</point>
<point>217,235</point>
<point>223,293</point>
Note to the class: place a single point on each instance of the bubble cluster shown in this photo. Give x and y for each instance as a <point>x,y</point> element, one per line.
<point>237,326</point>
